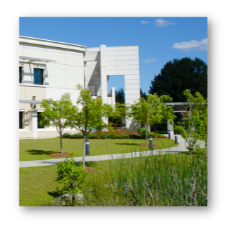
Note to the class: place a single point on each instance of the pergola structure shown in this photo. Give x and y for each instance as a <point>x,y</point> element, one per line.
<point>178,107</point>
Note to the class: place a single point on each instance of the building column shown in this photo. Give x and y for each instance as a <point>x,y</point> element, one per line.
<point>33,122</point>
<point>113,95</point>
<point>170,127</point>
<point>103,73</point>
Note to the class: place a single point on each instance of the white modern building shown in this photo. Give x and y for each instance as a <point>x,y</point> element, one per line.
<point>49,69</point>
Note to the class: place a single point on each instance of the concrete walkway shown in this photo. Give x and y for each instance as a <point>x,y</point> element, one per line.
<point>182,147</point>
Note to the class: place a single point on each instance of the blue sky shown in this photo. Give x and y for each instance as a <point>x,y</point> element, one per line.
<point>160,39</point>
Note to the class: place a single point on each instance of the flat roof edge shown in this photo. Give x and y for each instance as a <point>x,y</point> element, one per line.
<point>50,41</point>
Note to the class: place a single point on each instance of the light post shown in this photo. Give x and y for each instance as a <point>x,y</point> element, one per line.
<point>150,143</point>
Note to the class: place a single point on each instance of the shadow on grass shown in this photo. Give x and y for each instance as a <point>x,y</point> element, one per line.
<point>40,152</point>
<point>136,144</point>
<point>55,194</point>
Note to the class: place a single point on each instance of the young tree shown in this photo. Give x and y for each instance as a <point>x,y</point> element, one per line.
<point>91,115</point>
<point>167,111</point>
<point>147,112</point>
<point>56,114</point>
<point>152,111</point>
<point>197,116</point>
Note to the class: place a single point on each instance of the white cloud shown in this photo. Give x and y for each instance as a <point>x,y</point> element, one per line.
<point>150,60</point>
<point>163,23</point>
<point>193,44</point>
<point>145,22</point>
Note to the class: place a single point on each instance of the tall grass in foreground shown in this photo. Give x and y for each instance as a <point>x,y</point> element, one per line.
<point>163,180</point>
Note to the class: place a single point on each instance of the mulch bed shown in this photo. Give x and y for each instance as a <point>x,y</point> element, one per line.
<point>59,154</point>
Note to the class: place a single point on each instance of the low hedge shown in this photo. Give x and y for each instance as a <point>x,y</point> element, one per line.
<point>106,136</point>
<point>142,132</point>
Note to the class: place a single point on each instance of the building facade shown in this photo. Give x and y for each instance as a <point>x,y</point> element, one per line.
<point>49,69</point>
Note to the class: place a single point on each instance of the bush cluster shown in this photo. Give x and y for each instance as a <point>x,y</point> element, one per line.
<point>102,136</point>
<point>142,132</point>
<point>180,130</point>
<point>115,134</point>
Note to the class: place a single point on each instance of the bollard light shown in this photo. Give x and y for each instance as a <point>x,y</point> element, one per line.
<point>169,135</point>
<point>150,143</point>
<point>175,138</point>
<point>87,147</point>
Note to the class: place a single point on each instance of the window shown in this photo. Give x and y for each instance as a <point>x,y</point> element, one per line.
<point>20,74</point>
<point>38,76</point>
<point>39,120</point>
<point>20,120</point>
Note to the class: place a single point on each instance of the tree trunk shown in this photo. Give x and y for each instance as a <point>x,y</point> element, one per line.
<point>149,128</point>
<point>146,135</point>
<point>84,150</point>
<point>61,141</point>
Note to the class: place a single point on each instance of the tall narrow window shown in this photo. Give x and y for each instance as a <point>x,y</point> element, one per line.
<point>20,74</point>
<point>39,120</point>
<point>38,76</point>
<point>20,120</point>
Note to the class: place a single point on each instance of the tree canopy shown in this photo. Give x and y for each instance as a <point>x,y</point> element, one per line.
<point>152,111</point>
<point>178,75</point>
<point>56,114</point>
<point>91,114</point>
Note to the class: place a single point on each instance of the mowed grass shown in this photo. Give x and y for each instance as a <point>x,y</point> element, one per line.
<point>38,149</point>
<point>37,185</point>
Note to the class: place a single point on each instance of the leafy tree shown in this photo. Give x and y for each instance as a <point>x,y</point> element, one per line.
<point>152,111</point>
<point>120,108</point>
<point>167,111</point>
<point>147,112</point>
<point>179,75</point>
<point>197,116</point>
<point>56,114</point>
<point>92,114</point>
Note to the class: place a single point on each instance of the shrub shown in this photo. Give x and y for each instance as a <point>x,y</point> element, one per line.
<point>71,178</point>
<point>76,136</point>
<point>66,135</point>
<point>117,134</point>
<point>93,136</point>
<point>142,132</point>
<point>180,130</point>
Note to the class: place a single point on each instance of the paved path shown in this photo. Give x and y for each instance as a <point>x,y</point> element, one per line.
<point>182,147</point>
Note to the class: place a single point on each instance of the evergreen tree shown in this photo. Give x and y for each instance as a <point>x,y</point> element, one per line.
<point>120,97</point>
<point>179,75</point>
<point>143,94</point>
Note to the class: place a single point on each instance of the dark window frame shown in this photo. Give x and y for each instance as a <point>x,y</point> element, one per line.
<point>20,74</point>
<point>38,76</point>
<point>20,120</point>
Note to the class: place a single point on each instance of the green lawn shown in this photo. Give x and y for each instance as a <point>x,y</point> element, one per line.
<point>37,186</point>
<point>38,149</point>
